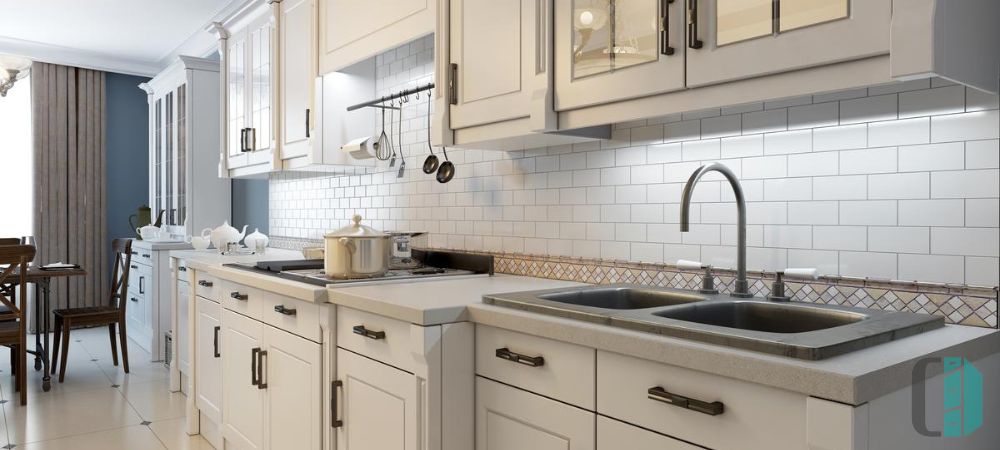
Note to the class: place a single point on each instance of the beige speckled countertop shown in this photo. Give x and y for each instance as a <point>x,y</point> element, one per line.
<point>212,262</point>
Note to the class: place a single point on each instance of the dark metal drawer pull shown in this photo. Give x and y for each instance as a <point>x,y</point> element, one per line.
<point>216,343</point>
<point>665,48</point>
<point>280,309</point>
<point>239,296</point>
<point>134,266</point>
<point>134,299</point>
<point>360,329</point>
<point>182,269</point>
<point>692,25</point>
<point>661,395</point>
<point>205,283</point>
<point>253,366</point>
<point>533,361</point>
<point>334,421</point>
<point>145,255</point>
<point>260,369</point>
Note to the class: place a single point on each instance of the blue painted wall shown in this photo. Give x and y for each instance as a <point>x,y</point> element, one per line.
<point>127,149</point>
<point>250,203</point>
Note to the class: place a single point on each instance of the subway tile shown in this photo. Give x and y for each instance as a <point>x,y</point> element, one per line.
<point>868,212</point>
<point>765,167</point>
<point>814,116</point>
<point>788,236</point>
<point>586,249</point>
<point>730,235</point>
<point>742,108</point>
<point>788,189</point>
<point>722,213</point>
<point>899,239</point>
<point>840,95</point>
<point>944,213</point>
<point>700,150</point>
<point>765,121</point>
<point>647,174</point>
<point>788,102</point>
<point>741,146</point>
<point>613,176</point>
<point>619,139</point>
<point>965,241</point>
<point>630,194</point>
<point>722,126</point>
<point>824,261</point>
<point>983,212</point>
<point>932,268</point>
<point>868,109</point>
<point>797,141</point>
<point>601,231</point>
<point>769,259</point>
<point>813,213</point>
<point>813,164</point>
<point>667,233</point>
<point>930,102</point>
<point>982,271</point>
<point>947,156</point>
<point>646,252</point>
<point>600,195</point>
<point>701,114</point>
<point>977,100</point>
<point>682,131</point>
<point>631,156</point>
<point>679,172</point>
<point>631,232</point>
<point>652,134</point>
<point>899,186</point>
<point>899,132</point>
<point>982,154</point>
<point>767,213</point>
<point>647,213</point>
<point>600,158</point>
<point>966,126</point>
<point>840,138</point>
<point>702,234</point>
<point>899,86</point>
<point>868,265</point>
<point>870,160</point>
<point>674,252</point>
<point>573,161</point>
<point>663,153</point>
<point>983,183</point>
<point>840,238</point>
<point>589,177</point>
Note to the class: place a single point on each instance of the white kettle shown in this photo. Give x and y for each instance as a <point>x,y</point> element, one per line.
<point>224,234</point>
<point>256,238</point>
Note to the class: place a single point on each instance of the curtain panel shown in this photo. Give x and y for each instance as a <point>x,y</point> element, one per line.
<point>68,109</point>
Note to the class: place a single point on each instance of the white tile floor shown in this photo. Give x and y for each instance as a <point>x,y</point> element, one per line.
<point>98,406</point>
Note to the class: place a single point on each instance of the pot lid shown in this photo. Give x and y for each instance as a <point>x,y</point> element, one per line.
<point>356,230</point>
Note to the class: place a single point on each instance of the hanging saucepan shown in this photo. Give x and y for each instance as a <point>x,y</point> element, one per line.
<point>356,251</point>
<point>431,163</point>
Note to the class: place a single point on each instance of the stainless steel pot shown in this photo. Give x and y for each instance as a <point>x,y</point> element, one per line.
<point>356,251</point>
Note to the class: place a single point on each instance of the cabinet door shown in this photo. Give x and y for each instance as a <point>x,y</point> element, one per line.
<point>345,40</point>
<point>208,356</point>
<point>242,399</point>
<point>499,49</point>
<point>379,405</point>
<point>511,419</point>
<point>738,39</point>
<point>611,434</point>
<point>293,374</point>
<point>183,335</point>
<point>260,35</point>
<point>297,72</point>
<point>611,50</point>
<point>236,106</point>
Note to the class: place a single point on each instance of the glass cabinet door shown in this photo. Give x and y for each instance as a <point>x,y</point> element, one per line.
<point>236,114</point>
<point>181,180</point>
<point>614,34</point>
<point>157,203</point>
<point>591,37</point>
<point>739,20</point>
<point>794,14</point>
<point>260,88</point>
<point>169,160</point>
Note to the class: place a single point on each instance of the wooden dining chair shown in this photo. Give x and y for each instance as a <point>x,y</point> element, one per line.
<point>10,241</point>
<point>110,315</point>
<point>13,323</point>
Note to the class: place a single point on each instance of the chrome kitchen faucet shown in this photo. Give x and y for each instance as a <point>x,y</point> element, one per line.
<point>742,288</point>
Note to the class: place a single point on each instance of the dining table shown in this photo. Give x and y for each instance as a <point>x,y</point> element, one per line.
<point>41,277</point>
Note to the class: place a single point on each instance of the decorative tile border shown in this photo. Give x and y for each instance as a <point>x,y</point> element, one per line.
<point>958,304</point>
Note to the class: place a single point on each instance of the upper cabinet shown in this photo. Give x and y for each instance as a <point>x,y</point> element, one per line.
<point>251,92</point>
<point>351,30</point>
<point>297,72</point>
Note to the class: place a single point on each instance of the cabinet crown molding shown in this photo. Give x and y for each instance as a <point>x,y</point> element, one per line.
<point>217,29</point>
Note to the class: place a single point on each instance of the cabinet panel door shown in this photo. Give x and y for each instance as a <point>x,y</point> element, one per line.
<point>743,39</point>
<point>379,405</point>
<point>345,40</point>
<point>236,86</point>
<point>643,56</point>
<point>494,44</point>
<point>242,401</point>
<point>297,74</point>
<point>183,335</point>
<point>293,374</point>
<point>611,434</point>
<point>259,88</point>
<point>208,355</point>
<point>511,419</point>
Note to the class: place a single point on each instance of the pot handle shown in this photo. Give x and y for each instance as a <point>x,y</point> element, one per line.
<point>347,243</point>
<point>206,232</point>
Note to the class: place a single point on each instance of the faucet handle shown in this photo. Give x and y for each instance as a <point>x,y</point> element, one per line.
<point>778,287</point>
<point>707,281</point>
<point>690,265</point>
<point>803,273</point>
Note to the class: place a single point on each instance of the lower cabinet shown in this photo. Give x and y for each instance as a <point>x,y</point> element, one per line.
<point>379,405</point>
<point>183,328</point>
<point>511,419</point>
<point>612,434</point>
<point>242,398</point>
<point>208,358</point>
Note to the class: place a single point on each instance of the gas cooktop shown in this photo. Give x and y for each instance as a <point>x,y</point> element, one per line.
<point>433,264</point>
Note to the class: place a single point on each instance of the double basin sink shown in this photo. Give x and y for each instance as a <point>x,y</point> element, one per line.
<point>800,330</point>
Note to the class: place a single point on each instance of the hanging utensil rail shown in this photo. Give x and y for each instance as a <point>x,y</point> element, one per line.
<point>377,103</point>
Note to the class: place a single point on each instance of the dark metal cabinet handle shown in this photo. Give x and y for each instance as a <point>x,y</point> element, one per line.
<point>135,253</point>
<point>243,139</point>
<point>376,335</point>
<point>692,25</point>
<point>142,285</point>
<point>134,266</point>
<point>216,343</point>
<point>533,361</point>
<point>260,369</point>
<point>238,296</point>
<point>253,366</point>
<point>134,299</point>
<point>661,395</point>
<point>281,309</point>
<point>665,48</point>
<point>146,255</point>
<point>182,269</point>
<point>252,137</point>
<point>334,421</point>
<point>307,122</point>
<point>205,283</point>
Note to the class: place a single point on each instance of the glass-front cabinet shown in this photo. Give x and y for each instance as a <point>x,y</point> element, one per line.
<point>169,170</point>
<point>248,59</point>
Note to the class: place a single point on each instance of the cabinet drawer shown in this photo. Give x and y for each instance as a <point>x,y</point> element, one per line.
<point>511,419</point>
<point>142,256</point>
<point>612,434</point>
<point>752,416</point>
<point>377,337</point>
<point>551,368</point>
<point>242,299</point>
<point>207,286</point>
<point>294,316</point>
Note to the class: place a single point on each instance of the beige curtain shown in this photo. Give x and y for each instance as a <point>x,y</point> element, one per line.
<point>67,106</point>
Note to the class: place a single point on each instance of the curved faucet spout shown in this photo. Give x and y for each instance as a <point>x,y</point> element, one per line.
<point>742,287</point>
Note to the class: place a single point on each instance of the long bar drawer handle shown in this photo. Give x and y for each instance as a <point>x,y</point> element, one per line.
<point>216,342</point>
<point>334,421</point>
<point>134,299</point>
<point>239,296</point>
<point>254,352</point>
<point>134,266</point>
<point>182,269</point>
<point>205,283</point>
<point>533,361</point>
<point>145,255</point>
<point>370,334</point>
<point>661,395</point>
<point>280,309</point>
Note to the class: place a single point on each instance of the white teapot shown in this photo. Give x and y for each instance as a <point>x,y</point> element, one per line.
<point>224,234</point>
<point>256,238</point>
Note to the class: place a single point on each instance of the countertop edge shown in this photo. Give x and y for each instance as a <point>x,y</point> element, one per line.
<point>280,286</point>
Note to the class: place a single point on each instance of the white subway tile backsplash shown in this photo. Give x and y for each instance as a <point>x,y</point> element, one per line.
<point>965,241</point>
<point>840,137</point>
<point>945,213</point>
<point>899,239</point>
<point>982,212</point>
<point>966,184</point>
<point>741,146</point>
<point>826,262</point>
<point>788,189</point>
<point>788,236</point>
<point>982,271</point>
<point>871,160</point>
<point>899,132</point>
<point>966,126</point>
<point>700,150</point>
<point>813,164</point>
<point>868,265</point>
<point>652,134</point>
<point>868,212</point>
<point>663,153</point>
<point>812,213</point>
<point>765,121</point>
<point>933,268</point>
<point>868,109</point>
<point>765,167</point>
<point>914,185</point>
<point>796,141</point>
<point>840,238</point>
<point>722,126</point>
<point>682,131</point>
<point>976,100</point>
<point>767,213</point>
<point>982,154</point>
<point>947,156</point>
<point>849,187</point>
<point>814,116</point>
<point>931,102</point>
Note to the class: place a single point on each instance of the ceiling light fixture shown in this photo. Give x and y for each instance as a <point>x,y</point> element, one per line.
<point>12,68</point>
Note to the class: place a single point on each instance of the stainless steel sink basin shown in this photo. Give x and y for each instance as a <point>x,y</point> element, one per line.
<point>759,316</point>
<point>622,297</point>
<point>800,330</point>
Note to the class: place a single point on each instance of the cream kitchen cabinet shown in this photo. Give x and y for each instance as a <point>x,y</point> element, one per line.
<point>242,400</point>
<point>511,419</point>
<point>380,405</point>
<point>297,53</point>
<point>208,355</point>
<point>351,31</point>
